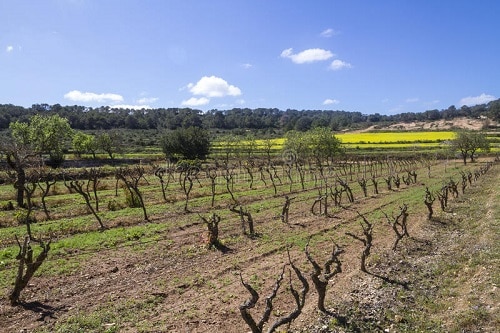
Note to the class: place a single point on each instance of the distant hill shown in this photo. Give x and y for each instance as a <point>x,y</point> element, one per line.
<point>260,120</point>
<point>442,124</point>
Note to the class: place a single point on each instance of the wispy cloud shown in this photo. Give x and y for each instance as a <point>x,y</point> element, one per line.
<point>213,86</point>
<point>193,102</point>
<point>246,66</point>
<point>78,96</point>
<point>337,65</point>
<point>328,33</point>
<point>307,56</point>
<point>9,48</point>
<point>147,100</point>
<point>330,101</point>
<point>474,100</point>
<point>412,100</point>
<point>131,107</point>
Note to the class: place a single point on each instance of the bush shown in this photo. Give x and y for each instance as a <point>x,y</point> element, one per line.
<point>113,205</point>
<point>22,217</point>
<point>131,198</point>
<point>189,143</point>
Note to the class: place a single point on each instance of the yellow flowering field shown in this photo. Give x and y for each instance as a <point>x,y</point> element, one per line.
<point>394,137</point>
<point>365,140</point>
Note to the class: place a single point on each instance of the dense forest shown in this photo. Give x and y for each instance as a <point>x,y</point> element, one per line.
<point>265,119</point>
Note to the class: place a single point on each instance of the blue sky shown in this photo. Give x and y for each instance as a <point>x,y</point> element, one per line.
<point>369,56</point>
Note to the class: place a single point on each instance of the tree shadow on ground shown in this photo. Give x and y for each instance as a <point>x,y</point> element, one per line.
<point>44,310</point>
<point>403,284</point>
<point>222,248</point>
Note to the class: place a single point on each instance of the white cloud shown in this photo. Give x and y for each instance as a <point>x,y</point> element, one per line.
<point>474,100</point>
<point>78,96</point>
<point>328,33</point>
<point>307,56</point>
<point>147,100</point>
<point>193,101</point>
<point>337,65</point>
<point>131,107</point>
<point>412,100</point>
<point>247,66</point>
<point>213,86</point>
<point>329,101</point>
<point>9,48</point>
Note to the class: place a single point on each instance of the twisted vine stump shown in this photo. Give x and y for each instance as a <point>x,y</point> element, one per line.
<point>213,230</point>
<point>257,327</point>
<point>27,266</point>
<point>398,224</point>
<point>321,275</point>
<point>285,209</point>
<point>131,178</point>
<point>367,240</point>
<point>245,218</point>
<point>299,297</point>
<point>362,183</point>
<point>78,187</point>
<point>375,185</point>
<point>428,201</point>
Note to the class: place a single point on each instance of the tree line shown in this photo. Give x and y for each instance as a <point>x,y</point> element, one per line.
<point>268,119</point>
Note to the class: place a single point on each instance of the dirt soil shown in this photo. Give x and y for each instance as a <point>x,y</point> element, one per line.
<point>441,125</point>
<point>176,285</point>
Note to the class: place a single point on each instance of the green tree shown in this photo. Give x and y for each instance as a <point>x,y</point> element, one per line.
<point>188,143</point>
<point>84,143</point>
<point>45,134</point>
<point>468,143</point>
<point>494,110</point>
<point>29,141</point>
<point>318,143</point>
<point>323,144</point>
<point>295,145</point>
<point>110,142</point>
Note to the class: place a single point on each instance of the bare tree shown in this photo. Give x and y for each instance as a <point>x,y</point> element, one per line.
<point>228,176</point>
<point>397,181</point>
<point>257,327</point>
<point>375,184</point>
<point>442,196</point>
<point>428,201</point>
<point>29,189</point>
<point>131,178</point>
<point>213,229</point>
<point>45,181</point>
<point>398,224</point>
<point>453,186</point>
<point>248,166</point>
<point>321,200</point>
<point>321,275</point>
<point>19,157</point>
<point>362,183</point>
<point>300,169</point>
<point>79,187</point>
<point>285,209</point>
<point>271,177</point>
<point>160,173</point>
<point>388,181</point>
<point>464,181</point>
<point>366,240</point>
<point>211,173</point>
<point>27,265</point>
<point>245,218</point>
<point>93,175</point>
<point>299,297</point>
<point>347,189</point>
